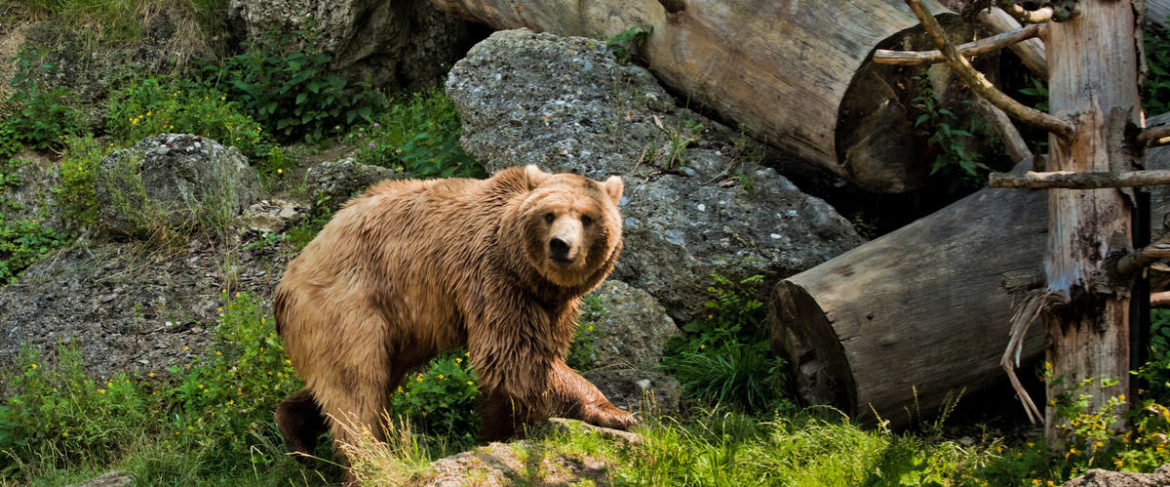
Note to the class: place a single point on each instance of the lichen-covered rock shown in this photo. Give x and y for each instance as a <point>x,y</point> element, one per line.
<point>111,479</point>
<point>124,310</point>
<point>341,180</point>
<point>500,464</point>
<point>28,194</point>
<point>1104,478</point>
<point>630,332</point>
<point>272,216</point>
<point>391,44</point>
<point>558,102</point>
<point>690,208</point>
<point>178,180</point>
<point>632,328</point>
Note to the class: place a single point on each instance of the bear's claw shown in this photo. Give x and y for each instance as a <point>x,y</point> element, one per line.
<point>609,416</point>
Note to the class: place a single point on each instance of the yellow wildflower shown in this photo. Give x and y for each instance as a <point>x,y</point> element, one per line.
<point>440,376</point>
<point>34,366</point>
<point>150,374</point>
<point>279,171</point>
<point>458,360</point>
<point>470,383</point>
<point>101,391</point>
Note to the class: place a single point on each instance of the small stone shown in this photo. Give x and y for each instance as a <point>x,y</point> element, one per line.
<point>109,297</point>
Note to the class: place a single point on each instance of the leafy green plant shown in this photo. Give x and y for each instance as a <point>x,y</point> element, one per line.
<point>678,140</point>
<point>419,135</point>
<point>148,106</point>
<point>22,242</point>
<point>77,194</point>
<point>1156,89</point>
<point>44,115</point>
<point>9,140</point>
<point>725,358</point>
<point>627,44</point>
<point>222,402</point>
<point>59,409</point>
<point>441,399</point>
<point>583,350</point>
<point>1038,93</point>
<point>953,159</point>
<point>285,84</point>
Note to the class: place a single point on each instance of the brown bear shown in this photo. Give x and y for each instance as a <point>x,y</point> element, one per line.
<point>411,269</point>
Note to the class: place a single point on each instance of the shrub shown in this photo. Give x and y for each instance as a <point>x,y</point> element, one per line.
<point>1156,89</point>
<point>43,115</point>
<point>59,409</point>
<point>285,85</point>
<point>419,134</point>
<point>150,106</point>
<point>9,140</point>
<point>77,194</point>
<point>441,399</point>
<point>224,404</point>
<point>22,242</point>
<point>725,358</point>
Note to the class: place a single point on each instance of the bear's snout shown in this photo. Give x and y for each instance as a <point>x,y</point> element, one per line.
<point>561,250</point>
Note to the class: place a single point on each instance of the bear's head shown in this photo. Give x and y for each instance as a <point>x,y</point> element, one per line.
<point>570,226</point>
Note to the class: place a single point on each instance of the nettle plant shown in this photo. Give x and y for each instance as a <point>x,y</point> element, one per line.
<point>285,84</point>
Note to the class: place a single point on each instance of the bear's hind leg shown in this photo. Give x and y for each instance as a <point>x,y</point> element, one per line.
<point>301,423</point>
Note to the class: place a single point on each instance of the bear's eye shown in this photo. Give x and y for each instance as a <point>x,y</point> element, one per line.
<point>586,220</point>
<point>549,218</point>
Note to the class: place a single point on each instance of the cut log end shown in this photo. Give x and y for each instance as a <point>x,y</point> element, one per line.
<point>816,360</point>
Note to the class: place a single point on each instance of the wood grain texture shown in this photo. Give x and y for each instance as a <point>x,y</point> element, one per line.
<point>782,67</point>
<point>923,308</point>
<point>1092,67</point>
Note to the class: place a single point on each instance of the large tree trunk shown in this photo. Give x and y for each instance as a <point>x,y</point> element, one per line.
<point>797,74</point>
<point>1092,81</point>
<point>923,309</point>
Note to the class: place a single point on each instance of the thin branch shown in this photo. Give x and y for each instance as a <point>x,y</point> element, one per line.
<point>1023,317</point>
<point>1143,257</point>
<point>1079,180</point>
<point>981,85</point>
<point>1160,300</point>
<point>1154,135</point>
<point>1032,51</point>
<point>1002,125</point>
<point>986,44</point>
<point>1042,14</point>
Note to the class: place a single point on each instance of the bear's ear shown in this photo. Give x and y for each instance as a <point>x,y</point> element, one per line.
<point>613,187</point>
<point>535,176</point>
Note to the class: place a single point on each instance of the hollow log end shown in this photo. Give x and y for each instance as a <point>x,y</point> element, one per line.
<point>802,334</point>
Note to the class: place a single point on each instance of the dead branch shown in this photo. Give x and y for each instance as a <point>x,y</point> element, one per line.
<point>1159,135</point>
<point>1043,14</point>
<point>1026,313</point>
<point>987,44</point>
<point>1160,300</point>
<point>1002,125</point>
<point>980,84</point>
<point>1080,180</point>
<point>1031,51</point>
<point>1143,257</point>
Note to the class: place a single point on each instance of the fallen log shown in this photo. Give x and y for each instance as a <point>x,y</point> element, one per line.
<point>918,314</point>
<point>797,75</point>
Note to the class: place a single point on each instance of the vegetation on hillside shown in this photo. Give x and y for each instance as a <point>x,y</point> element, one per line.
<point>209,421</point>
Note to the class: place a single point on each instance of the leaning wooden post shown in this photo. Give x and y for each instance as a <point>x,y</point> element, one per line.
<point>1092,81</point>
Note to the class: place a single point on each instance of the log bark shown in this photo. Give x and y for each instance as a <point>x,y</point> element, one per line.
<point>797,75</point>
<point>1092,80</point>
<point>924,309</point>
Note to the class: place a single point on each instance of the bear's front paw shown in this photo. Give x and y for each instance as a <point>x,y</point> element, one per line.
<point>608,416</point>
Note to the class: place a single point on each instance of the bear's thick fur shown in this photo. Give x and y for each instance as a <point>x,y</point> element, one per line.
<point>415,268</point>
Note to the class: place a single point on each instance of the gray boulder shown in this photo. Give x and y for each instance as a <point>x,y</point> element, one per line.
<point>391,44</point>
<point>692,206</point>
<point>176,180</point>
<point>341,180</point>
<point>1104,478</point>
<point>630,331</point>
<point>557,102</point>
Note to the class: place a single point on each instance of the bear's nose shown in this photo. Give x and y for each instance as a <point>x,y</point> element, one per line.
<point>559,249</point>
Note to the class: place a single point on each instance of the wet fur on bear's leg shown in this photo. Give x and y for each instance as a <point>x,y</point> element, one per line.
<point>577,398</point>
<point>301,423</point>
